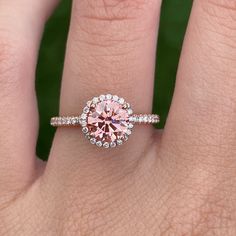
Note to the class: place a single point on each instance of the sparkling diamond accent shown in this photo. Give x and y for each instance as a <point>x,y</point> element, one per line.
<point>130,125</point>
<point>83,116</point>
<point>121,101</point>
<point>95,100</point>
<point>85,130</point>
<point>145,119</point>
<point>128,132</point>
<point>128,105</point>
<point>99,143</point>
<point>119,142</point>
<point>126,137</point>
<point>93,140</point>
<point>108,96</point>
<point>130,111</point>
<point>89,103</point>
<point>83,123</point>
<point>74,121</point>
<point>102,97</point>
<point>113,144</point>
<point>106,145</point>
<point>86,109</point>
<point>115,98</point>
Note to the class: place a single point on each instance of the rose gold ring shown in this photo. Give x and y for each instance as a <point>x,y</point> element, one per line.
<point>107,121</point>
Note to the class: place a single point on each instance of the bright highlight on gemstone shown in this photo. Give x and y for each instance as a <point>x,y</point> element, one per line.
<point>107,121</point>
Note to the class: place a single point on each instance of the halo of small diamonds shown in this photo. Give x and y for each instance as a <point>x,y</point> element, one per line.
<point>106,121</point>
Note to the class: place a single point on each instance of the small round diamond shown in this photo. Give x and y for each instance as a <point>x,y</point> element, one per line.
<point>130,111</point>
<point>83,116</point>
<point>86,110</point>
<point>115,98</point>
<point>145,119</point>
<point>108,96</point>
<point>157,119</point>
<point>99,143</point>
<point>85,130</point>
<point>113,144</point>
<point>140,119</point>
<point>67,121</point>
<point>131,119</point>
<point>93,140</point>
<point>128,132</point>
<point>83,123</point>
<point>95,100</point>
<point>89,103</point>
<point>106,145</point>
<point>150,119</point>
<point>121,101</point>
<point>119,142</point>
<point>102,97</point>
<point>63,120</point>
<point>74,121</point>
<point>127,105</point>
<point>130,125</point>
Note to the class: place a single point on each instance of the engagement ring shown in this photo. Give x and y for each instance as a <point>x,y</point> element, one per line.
<point>107,121</point>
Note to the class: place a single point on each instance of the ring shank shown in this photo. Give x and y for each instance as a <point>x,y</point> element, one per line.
<point>61,121</point>
<point>65,121</point>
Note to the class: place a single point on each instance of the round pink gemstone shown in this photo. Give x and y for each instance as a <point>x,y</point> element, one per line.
<point>108,121</point>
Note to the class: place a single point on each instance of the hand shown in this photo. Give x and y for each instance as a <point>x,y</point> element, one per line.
<point>178,182</point>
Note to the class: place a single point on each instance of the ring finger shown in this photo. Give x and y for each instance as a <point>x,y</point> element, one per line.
<point>111,49</point>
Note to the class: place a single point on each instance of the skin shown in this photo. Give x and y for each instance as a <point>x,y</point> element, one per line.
<point>180,181</point>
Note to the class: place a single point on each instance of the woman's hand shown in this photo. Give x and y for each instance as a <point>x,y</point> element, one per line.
<point>178,182</point>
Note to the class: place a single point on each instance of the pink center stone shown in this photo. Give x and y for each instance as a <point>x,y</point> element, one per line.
<point>108,121</point>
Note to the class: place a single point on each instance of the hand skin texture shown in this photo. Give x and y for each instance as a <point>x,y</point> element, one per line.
<point>180,181</point>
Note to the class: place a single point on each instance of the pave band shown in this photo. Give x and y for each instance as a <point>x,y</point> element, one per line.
<point>61,121</point>
<point>107,120</point>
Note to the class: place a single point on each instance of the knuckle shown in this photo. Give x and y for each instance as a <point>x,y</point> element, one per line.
<point>112,10</point>
<point>106,34</point>
<point>104,19</point>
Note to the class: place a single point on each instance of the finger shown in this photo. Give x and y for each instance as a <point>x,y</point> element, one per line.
<point>111,49</point>
<point>202,116</point>
<point>21,26</point>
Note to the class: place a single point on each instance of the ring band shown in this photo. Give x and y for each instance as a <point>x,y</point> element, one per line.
<point>106,120</point>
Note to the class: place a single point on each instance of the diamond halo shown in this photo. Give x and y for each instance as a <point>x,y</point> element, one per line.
<point>106,121</point>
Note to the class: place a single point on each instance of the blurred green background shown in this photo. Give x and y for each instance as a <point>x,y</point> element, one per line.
<point>174,17</point>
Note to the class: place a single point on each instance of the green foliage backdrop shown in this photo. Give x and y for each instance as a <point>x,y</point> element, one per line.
<point>174,17</point>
